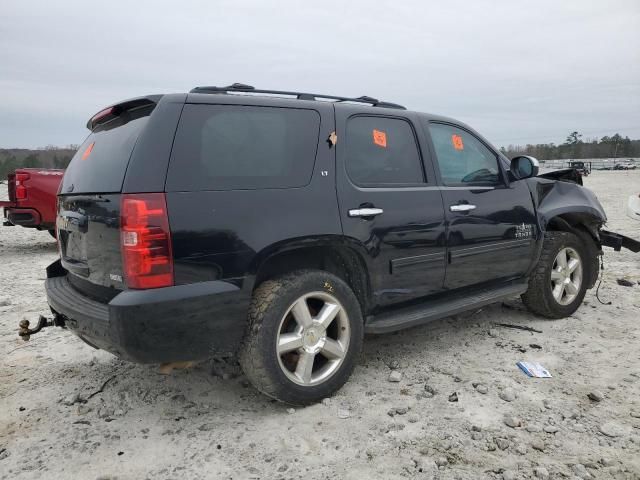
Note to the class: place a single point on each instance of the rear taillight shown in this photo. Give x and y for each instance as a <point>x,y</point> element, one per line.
<point>146,241</point>
<point>21,190</point>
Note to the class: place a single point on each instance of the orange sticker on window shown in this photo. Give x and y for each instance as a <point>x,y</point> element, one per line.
<point>87,152</point>
<point>380,138</point>
<point>457,142</point>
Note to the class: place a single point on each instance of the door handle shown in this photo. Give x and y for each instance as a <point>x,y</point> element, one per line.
<point>365,212</point>
<point>463,207</point>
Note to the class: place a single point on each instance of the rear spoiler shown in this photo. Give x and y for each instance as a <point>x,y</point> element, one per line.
<point>107,114</point>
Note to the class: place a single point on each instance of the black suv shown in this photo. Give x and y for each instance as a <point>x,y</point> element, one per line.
<point>282,226</point>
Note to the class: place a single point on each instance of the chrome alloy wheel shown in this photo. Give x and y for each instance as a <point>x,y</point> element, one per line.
<point>313,338</point>
<point>566,276</point>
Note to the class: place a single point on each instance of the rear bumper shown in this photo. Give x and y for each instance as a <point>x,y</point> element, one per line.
<point>180,323</point>
<point>24,217</point>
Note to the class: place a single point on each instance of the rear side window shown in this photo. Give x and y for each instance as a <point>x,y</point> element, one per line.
<point>382,151</point>
<point>227,147</point>
<point>101,161</point>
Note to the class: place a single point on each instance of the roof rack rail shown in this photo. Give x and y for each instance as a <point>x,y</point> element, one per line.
<point>241,87</point>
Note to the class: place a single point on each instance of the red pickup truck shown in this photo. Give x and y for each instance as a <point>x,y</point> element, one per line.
<point>32,198</point>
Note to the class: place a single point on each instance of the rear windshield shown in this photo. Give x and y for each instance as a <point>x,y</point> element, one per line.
<point>225,147</point>
<point>101,161</point>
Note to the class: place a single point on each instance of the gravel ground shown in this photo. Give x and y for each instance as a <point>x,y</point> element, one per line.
<point>69,411</point>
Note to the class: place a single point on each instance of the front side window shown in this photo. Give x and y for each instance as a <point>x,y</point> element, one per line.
<point>227,147</point>
<point>382,151</point>
<point>462,158</point>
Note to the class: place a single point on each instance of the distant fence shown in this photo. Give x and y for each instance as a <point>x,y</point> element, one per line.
<point>596,163</point>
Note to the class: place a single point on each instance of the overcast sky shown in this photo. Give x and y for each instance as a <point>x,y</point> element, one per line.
<point>519,72</point>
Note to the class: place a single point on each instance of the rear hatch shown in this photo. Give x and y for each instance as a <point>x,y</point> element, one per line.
<point>89,203</point>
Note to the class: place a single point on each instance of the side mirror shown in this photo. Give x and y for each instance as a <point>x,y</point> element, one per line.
<point>524,166</point>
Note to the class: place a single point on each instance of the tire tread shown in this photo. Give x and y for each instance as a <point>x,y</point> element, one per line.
<point>251,362</point>
<point>255,355</point>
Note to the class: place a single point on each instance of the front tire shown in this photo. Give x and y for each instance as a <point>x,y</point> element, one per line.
<point>304,336</point>
<point>559,281</point>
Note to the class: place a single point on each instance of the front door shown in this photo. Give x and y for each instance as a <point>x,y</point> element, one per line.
<point>390,205</point>
<point>491,224</point>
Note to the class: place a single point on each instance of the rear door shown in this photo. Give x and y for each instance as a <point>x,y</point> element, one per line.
<point>491,225</point>
<point>389,202</point>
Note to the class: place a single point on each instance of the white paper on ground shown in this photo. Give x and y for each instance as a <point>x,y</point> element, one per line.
<point>534,369</point>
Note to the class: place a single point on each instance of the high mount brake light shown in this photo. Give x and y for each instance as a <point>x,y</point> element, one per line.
<point>101,114</point>
<point>145,240</point>
<point>21,190</point>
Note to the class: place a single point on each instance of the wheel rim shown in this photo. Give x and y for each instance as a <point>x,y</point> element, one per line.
<point>313,339</point>
<point>566,276</point>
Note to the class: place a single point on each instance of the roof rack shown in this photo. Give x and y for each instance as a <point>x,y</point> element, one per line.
<point>240,87</point>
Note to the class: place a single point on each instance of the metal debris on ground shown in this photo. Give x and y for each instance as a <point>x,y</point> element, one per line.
<point>518,327</point>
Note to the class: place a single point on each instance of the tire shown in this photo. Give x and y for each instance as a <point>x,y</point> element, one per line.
<point>276,317</point>
<point>52,233</point>
<point>555,297</point>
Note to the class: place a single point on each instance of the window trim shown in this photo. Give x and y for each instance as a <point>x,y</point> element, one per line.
<point>368,186</point>
<point>501,181</point>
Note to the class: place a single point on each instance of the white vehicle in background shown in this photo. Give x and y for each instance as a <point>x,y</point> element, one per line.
<point>633,206</point>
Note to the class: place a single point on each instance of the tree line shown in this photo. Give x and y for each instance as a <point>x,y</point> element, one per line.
<point>615,146</point>
<point>575,147</point>
<point>46,157</point>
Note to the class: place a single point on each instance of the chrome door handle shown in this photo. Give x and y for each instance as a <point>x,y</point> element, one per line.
<point>462,207</point>
<point>365,212</point>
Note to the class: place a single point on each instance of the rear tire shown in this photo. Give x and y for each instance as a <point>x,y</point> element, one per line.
<point>52,233</point>
<point>558,283</point>
<point>304,336</point>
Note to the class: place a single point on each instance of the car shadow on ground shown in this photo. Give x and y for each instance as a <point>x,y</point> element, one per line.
<point>115,389</point>
<point>452,330</point>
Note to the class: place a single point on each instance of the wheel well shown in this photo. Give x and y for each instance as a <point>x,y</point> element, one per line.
<point>586,228</point>
<point>343,262</point>
<point>576,223</point>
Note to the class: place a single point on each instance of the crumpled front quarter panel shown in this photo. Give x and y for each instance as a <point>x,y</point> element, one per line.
<point>553,198</point>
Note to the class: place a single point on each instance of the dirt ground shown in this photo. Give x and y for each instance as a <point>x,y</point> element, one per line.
<point>68,411</point>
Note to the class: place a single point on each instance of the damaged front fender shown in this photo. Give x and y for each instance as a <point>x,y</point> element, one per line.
<point>566,174</point>
<point>568,201</point>
<point>560,199</point>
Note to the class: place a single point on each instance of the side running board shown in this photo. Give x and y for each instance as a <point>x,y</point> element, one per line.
<point>442,307</point>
